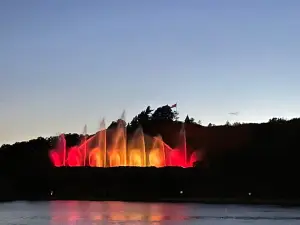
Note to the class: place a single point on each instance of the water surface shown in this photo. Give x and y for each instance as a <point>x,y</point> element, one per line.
<point>107,213</point>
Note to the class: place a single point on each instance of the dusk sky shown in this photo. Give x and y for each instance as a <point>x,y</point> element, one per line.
<point>64,64</point>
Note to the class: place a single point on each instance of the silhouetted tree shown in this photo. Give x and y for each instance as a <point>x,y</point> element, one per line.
<point>227,123</point>
<point>141,119</point>
<point>113,124</point>
<point>189,120</point>
<point>164,113</point>
<point>277,120</point>
<point>72,139</point>
<point>5,146</point>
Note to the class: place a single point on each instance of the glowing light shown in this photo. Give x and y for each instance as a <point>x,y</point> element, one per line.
<point>114,159</point>
<point>95,152</point>
<point>156,158</point>
<point>55,158</point>
<point>96,158</point>
<point>194,158</point>
<point>74,157</point>
<point>135,158</point>
<point>177,157</point>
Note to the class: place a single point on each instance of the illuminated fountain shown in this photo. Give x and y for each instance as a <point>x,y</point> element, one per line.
<point>97,155</point>
<point>117,152</point>
<point>58,156</point>
<point>137,149</point>
<point>178,156</point>
<point>113,150</point>
<point>157,155</point>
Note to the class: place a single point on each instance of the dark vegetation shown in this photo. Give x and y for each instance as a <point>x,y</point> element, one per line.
<point>239,158</point>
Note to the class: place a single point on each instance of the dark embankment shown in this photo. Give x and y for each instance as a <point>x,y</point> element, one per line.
<point>259,158</point>
<point>149,184</point>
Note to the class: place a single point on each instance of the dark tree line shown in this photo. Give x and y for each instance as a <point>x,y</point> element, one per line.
<point>164,113</point>
<point>262,158</point>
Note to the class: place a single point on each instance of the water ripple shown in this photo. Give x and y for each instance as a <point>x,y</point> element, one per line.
<point>73,212</point>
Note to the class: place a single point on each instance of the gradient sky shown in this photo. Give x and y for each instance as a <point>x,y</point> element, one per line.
<point>64,64</point>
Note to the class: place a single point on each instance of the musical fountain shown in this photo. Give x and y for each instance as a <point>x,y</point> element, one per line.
<point>114,150</point>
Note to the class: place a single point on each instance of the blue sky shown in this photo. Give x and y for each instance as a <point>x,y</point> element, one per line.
<point>64,64</point>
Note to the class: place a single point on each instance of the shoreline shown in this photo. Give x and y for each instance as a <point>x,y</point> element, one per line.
<point>213,201</point>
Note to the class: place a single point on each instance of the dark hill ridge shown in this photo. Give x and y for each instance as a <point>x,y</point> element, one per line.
<point>201,137</point>
<point>261,157</point>
<point>215,138</point>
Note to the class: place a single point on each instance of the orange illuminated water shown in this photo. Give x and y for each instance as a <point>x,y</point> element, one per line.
<point>95,152</point>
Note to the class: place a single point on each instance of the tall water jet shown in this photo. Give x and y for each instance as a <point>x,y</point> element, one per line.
<point>157,154</point>
<point>102,141</point>
<point>62,148</point>
<point>178,156</point>
<point>136,149</point>
<point>117,151</point>
<point>169,152</point>
<point>97,156</point>
<point>183,143</point>
<point>74,156</point>
<point>59,153</point>
<point>55,158</point>
<point>85,144</point>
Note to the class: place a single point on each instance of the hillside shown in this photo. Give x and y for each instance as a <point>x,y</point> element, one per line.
<point>259,157</point>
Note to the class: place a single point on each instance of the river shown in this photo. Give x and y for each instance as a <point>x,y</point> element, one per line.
<point>108,213</point>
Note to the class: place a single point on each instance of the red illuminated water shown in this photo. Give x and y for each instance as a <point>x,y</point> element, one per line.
<point>95,152</point>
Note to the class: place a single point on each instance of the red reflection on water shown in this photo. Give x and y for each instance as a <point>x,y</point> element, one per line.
<point>85,212</point>
<point>65,212</point>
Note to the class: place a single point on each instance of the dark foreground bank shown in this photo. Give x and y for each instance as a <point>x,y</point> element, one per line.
<point>169,184</point>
